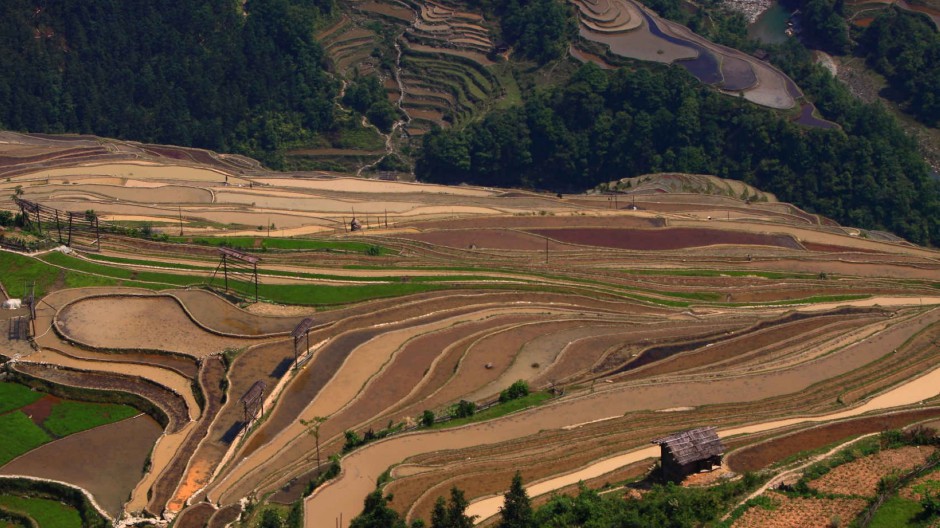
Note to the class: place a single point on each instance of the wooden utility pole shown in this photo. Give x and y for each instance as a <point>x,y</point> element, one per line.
<point>181,220</point>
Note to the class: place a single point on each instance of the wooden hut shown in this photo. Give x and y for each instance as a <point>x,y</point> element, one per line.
<point>690,452</point>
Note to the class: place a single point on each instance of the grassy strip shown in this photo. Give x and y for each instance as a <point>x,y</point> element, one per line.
<point>532,400</point>
<point>47,513</point>
<point>20,270</point>
<point>248,243</point>
<point>19,435</point>
<point>279,273</point>
<point>897,511</point>
<point>78,264</point>
<point>70,417</point>
<point>13,396</point>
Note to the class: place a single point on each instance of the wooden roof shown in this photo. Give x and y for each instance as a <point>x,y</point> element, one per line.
<point>234,253</point>
<point>254,393</point>
<point>694,444</point>
<point>302,328</point>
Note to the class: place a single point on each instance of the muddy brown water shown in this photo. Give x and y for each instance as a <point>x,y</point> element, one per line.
<point>222,316</point>
<point>107,461</point>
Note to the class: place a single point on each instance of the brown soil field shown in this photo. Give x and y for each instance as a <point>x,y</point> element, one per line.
<point>193,467</point>
<point>664,239</point>
<point>196,516</point>
<point>861,476</point>
<point>488,239</point>
<point>766,453</point>
<point>112,460</point>
<point>157,323</point>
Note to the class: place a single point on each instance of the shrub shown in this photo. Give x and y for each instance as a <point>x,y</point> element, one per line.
<point>463,409</point>
<point>519,389</point>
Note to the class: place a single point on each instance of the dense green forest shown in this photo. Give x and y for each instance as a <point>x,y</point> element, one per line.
<point>905,48</point>
<point>538,30</point>
<point>190,73</point>
<point>600,126</point>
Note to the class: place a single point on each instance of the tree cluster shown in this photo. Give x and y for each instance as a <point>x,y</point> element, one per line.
<point>367,96</point>
<point>905,48</point>
<point>234,76</point>
<point>824,24</point>
<point>538,30</point>
<point>601,126</point>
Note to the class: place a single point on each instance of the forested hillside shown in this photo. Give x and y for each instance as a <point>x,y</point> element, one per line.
<point>190,73</point>
<point>605,125</point>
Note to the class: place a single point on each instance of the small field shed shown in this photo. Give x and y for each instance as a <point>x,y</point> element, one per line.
<point>690,452</point>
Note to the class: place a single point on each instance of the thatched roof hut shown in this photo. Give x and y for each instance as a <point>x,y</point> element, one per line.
<point>691,451</point>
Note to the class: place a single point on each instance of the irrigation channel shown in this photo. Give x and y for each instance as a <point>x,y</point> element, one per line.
<point>343,497</point>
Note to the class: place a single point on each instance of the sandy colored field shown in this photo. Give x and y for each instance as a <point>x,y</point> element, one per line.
<point>358,185</point>
<point>161,456</point>
<point>155,323</point>
<point>221,316</point>
<point>112,458</point>
<point>150,171</point>
<point>168,194</point>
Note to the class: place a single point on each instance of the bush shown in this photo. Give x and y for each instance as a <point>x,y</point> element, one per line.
<point>519,389</point>
<point>463,409</point>
<point>427,418</point>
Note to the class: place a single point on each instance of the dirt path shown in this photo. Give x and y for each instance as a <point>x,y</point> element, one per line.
<point>361,468</point>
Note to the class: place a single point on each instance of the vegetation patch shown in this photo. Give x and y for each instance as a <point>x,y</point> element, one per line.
<point>20,435</point>
<point>46,513</point>
<point>13,396</point>
<point>70,417</point>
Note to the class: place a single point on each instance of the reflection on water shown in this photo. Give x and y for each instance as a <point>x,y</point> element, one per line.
<point>808,119</point>
<point>770,26</point>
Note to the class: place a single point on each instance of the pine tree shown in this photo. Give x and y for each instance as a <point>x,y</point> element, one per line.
<point>516,511</point>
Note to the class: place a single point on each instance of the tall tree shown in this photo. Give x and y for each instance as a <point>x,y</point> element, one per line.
<point>517,510</point>
<point>377,513</point>
<point>452,513</point>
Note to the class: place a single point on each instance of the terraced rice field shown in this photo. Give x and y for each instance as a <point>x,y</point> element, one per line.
<point>628,319</point>
<point>629,29</point>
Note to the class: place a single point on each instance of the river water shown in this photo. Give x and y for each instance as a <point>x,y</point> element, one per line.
<point>770,26</point>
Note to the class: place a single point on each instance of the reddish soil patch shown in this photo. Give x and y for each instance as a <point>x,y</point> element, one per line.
<point>210,380</point>
<point>107,461</point>
<point>522,222</point>
<point>663,239</point>
<point>826,248</point>
<point>488,239</point>
<point>762,455</point>
<point>40,409</point>
<point>863,22</point>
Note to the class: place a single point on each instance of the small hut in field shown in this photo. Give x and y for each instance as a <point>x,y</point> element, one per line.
<point>690,452</point>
